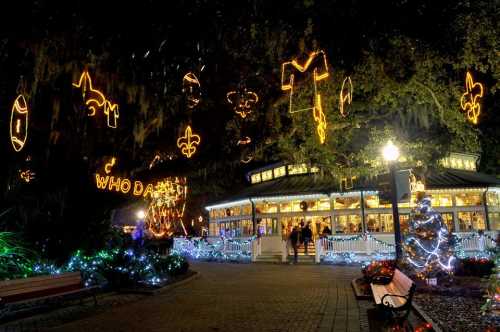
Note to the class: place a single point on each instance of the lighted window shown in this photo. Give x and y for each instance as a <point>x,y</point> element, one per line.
<point>347,202</point>
<point>235,211</point>
<point>286,207</point>
<point>443,200</point>
<point>371,201</point>
<point>314,169</point>
<point>471,221</point>
<point>267,226</point>
<point>492,198</point>
<point>312,205</point>
<point>324,204</point>
<point>379,223</point>
<point>296,206</point>
<point>279,171</point>
<point>255,178</point>
<point>494,221</point>
<point>469,199</point>
<point>246,209</point>
<point>267,175</point>
<point>404,220</point>
<point>297,169</point>
<point>266,207</point>
<point>448,221</point>
<point>348,224</point>
<point>212,229</point>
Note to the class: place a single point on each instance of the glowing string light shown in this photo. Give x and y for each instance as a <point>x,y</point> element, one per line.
<point>245,140</point>
<point>345,95</point>
<point>242,101</point>
<point>166,207</point>
<point>192,88</point>
<point>108,166</point>
<point>317,61</point>
<point>469,101</point>
<point>19,123</point>
<point>95,100</point>
<point>27,175</point>
<point>188,142</point>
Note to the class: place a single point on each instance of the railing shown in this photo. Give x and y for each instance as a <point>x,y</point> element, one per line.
<point>215,248</point>
<point>383,244</point>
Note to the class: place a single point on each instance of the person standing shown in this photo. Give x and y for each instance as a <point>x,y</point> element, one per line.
<point>295,241</point>
<point>306,236</point>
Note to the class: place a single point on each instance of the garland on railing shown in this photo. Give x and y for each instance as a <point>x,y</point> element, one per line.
<point>332,238</point>
<point>215,251</point>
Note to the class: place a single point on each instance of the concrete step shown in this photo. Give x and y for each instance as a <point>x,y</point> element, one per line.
<point>268,258</point>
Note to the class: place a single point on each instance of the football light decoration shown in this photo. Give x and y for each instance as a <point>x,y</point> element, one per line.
<point>317,64</point>
<point>19,123</point>
<point>345,96</point>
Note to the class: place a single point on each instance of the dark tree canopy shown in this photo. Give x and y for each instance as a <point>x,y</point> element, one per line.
<point>407,61</point>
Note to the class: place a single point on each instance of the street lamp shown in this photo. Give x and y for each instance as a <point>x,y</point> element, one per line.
<point>140,214</point>
<point>390,153</point>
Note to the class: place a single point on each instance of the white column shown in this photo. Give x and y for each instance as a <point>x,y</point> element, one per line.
<point>284,251</point>
<point>318,251</point>
<point>254,250</point>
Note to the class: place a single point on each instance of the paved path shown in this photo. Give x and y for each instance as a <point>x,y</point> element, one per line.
<point>242,297</point>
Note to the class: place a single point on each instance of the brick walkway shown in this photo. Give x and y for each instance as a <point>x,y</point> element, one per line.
<point>241,297</point>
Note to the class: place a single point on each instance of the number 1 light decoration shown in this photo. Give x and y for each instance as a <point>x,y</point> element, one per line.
<point>469,101</point>
<point>188,142</point>
<point>95,100</point>
<point>318,65</point>
<point>345,95</point>
<point>19,123</point>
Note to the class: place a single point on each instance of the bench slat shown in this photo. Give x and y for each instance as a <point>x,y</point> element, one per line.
<point>6,283</point>
<point>38,287</point>
<point>400,285</point>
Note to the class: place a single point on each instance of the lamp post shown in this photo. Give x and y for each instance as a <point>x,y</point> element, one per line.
<point>390,153</point>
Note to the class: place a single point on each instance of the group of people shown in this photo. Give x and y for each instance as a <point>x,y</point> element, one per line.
<point>302,235</point>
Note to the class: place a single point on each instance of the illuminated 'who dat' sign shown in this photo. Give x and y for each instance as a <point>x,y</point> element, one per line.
<point>19,123</point>
<point>95,100</point>
<point>469,101</point>
<point>318,65</point>
<point>188,142</point>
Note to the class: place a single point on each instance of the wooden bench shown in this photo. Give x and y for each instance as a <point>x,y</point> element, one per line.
<point>396,296</point>
<point>21,295</point>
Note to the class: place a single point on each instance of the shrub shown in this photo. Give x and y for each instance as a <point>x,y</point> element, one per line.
<point>474,267</point>
<point>172,265</point>
<point>379,271</point>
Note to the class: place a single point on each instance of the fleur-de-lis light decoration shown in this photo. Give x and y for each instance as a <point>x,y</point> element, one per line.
<point>470,99</point>
<point>95,100</point>
<point>347,183</point>
<point>109,165</point>
<point>27,175</point>
<point>345,95</point>
<point>242,101</point>
<point>19,123</point>
<point>192,88</point>
<point>188,142</point>
<point>318,64</point>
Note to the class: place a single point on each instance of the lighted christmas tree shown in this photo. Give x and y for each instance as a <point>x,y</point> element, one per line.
<point>427,247</point>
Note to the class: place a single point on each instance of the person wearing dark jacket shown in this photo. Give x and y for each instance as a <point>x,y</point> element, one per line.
<point>295,241</point>
<point>306,237</point>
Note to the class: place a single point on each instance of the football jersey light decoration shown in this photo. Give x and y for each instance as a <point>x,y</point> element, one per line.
<point>469,101</point>
<point>27,175</point>
<point>345,95</point>
<point>316,63</point>
<point>19,123</point>
<point>188,142</point>
<point>95,100</point>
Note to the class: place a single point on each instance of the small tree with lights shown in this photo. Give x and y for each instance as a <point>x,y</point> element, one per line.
<point>428,248</point>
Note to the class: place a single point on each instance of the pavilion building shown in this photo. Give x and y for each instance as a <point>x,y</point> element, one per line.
<point>281,196</point>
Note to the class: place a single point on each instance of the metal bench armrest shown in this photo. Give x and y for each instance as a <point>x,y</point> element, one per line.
<point>392,295</point>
